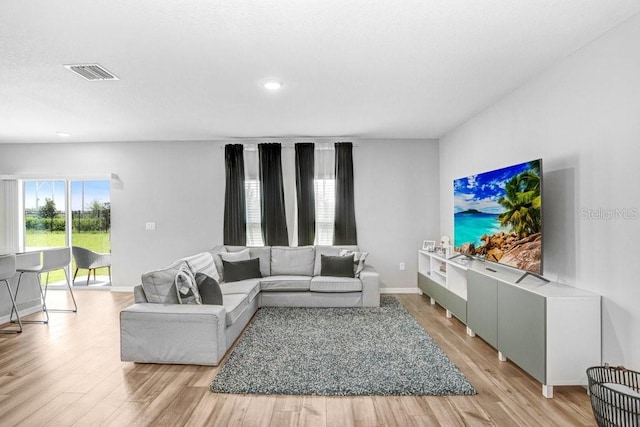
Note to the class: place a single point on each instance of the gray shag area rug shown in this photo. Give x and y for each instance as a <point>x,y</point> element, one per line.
<point>339,352</point>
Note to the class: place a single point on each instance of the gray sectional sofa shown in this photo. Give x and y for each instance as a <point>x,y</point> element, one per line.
<point>165,331</point>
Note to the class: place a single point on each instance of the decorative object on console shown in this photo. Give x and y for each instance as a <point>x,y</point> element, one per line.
<point>447,249</point>
<point>429,245</point>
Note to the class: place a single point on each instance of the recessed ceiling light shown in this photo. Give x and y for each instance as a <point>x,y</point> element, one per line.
<point>272,84</point>
<point>63,134</point>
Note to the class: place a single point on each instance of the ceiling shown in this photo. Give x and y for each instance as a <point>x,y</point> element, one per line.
<point>192,69</point>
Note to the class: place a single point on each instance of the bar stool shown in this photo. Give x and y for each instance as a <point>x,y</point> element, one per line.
<point>7,271</point>
<point>52,260</point>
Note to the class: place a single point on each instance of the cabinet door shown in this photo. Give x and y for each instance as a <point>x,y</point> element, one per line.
<point>521,329</point>
<point>457,306</point>
<point>482,306</point>
<point>432,288</point>
<point>437,291</point>
<point>423,284</point>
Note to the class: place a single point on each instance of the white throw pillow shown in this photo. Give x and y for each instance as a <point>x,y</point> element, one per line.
<point>358,260</point>
<point>242,255</point>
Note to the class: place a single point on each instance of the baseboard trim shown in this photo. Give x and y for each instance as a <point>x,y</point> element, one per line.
<point>121,289</point>
<point>23,312</point>
<point>400,291</point>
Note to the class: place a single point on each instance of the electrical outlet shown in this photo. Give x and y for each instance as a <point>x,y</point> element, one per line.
<point>402,266</point>
<point>150,226</point>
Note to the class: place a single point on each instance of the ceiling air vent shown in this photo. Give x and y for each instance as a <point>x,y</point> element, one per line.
<point>91,72</point>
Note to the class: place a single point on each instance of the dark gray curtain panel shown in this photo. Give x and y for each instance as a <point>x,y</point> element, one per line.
<point>235,217</point>
<point>274,221</point>
<point>344,232</point>
<point>305,194</point>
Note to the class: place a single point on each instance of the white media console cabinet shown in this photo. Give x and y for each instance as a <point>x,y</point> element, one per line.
<point>550,330</point>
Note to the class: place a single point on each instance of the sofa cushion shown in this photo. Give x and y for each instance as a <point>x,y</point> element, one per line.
<point>186,286</point>
<point>337,266</point>
<point>250,287</point>
<point>335,284</point>
<point>285,283</point>
<point>159,286</point>
<point>235,271</point>
<point>263,253</point>
<point>292,261</point>
<point>235,305</point>
<point>328,250</point>
<point>209,289</point>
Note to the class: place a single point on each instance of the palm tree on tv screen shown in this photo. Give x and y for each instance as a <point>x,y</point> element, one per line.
<point>522,203</point>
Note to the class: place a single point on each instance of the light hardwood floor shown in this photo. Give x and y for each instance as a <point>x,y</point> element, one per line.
<point>69,373</point>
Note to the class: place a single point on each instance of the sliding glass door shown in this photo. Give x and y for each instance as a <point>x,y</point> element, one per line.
<point>45,219</point>
<point>61,213</point>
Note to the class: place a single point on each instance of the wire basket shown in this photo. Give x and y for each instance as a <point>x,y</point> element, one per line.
<point>615,396</point>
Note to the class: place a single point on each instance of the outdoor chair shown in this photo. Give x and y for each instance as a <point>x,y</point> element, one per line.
<point>52,260</point>
<point>7,271</point>
<point>91,261</point>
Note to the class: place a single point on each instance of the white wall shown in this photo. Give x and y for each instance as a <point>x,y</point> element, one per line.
<point>176,185</point>
<point>180,186</point>
<point>396,202</point>
<point>583,118</point>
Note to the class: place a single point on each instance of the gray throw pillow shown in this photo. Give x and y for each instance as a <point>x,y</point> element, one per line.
<point>235,271</point>
<point>337,266</point>
<point>209,288</point>
<point>225,255</point>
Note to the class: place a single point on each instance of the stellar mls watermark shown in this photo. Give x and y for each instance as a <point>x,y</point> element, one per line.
<point>627,214</point>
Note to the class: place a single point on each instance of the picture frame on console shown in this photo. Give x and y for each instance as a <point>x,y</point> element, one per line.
<point>428,245</point>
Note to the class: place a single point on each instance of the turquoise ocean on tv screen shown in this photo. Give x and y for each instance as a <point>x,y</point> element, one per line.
<point>469,227</point>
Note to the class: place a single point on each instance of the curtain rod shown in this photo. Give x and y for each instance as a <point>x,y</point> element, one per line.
<point>286,145</point>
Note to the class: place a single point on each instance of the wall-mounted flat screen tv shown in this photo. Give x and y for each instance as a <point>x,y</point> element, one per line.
<point>498,216</point>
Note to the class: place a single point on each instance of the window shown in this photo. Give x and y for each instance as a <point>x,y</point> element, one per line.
<point>325,192</point>
<point>252,196</point>
<point>324,189</point>
<point>254,219</point>
<point>325,210</point>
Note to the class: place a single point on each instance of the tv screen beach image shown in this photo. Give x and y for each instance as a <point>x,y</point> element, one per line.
<point>498,215</point>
